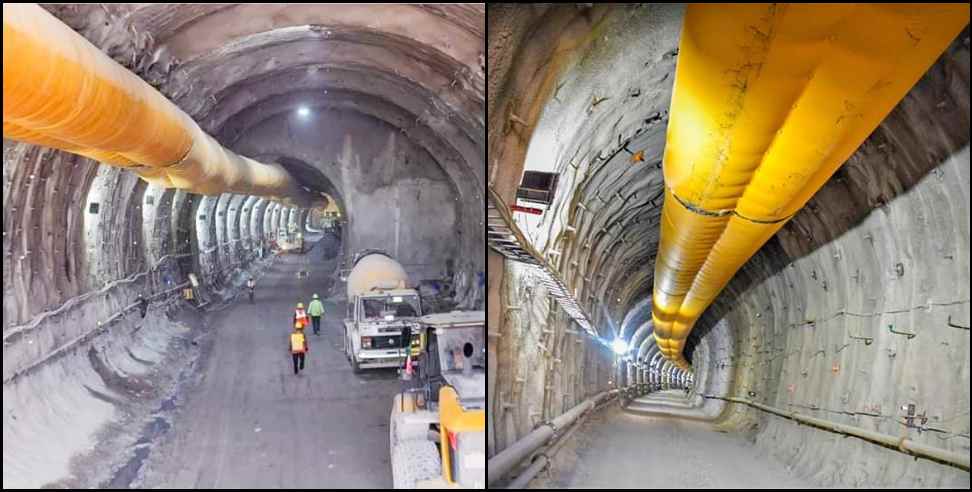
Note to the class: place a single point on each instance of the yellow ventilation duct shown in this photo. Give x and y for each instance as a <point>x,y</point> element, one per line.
<point>60,91</point>
<point>769,100</point>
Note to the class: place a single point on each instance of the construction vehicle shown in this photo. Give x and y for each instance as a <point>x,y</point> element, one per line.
<point>290,242</point>
<point>380,308</point>
<point>437,430</point>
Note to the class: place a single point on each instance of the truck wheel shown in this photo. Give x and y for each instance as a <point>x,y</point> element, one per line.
<point>413,461</point>
<point>355,368</point>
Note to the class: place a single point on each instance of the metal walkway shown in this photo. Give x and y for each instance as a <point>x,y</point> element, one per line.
<point>506,239</point>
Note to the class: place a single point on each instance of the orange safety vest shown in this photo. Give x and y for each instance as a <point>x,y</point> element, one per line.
<point>301,316</point>
<point>297,343</point>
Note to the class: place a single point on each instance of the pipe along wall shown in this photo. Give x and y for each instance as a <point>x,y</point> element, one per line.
<point>768,102</point>
<point>61,91</point>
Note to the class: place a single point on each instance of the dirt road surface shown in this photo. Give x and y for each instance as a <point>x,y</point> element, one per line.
<point>249,422</point>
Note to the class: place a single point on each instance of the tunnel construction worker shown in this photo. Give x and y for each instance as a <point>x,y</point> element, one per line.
<point>143,304</point>
<point>298,347</point>
<point>251,284</point>
<point>300,316</point>
<point>316,309</point>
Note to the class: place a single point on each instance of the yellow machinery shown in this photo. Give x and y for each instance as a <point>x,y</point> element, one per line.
<point>457,422</point>
<point>769,100</point>
<point>437,432</point>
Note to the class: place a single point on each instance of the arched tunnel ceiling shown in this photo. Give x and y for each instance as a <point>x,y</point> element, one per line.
<point>274,104</point>
<point>216,61</point>
<point>603,129</point>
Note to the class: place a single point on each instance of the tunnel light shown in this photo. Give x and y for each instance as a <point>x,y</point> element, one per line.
<point>303,111</point>
<point>619,346</point>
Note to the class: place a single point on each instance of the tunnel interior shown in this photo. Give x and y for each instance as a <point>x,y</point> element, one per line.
<point>379,110</point>
<point>855,312</point>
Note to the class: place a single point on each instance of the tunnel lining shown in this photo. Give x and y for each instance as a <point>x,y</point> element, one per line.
<point>815,267</point>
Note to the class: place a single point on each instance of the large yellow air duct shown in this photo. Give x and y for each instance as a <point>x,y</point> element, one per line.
<point>60,91</point>
<point>769,100</point>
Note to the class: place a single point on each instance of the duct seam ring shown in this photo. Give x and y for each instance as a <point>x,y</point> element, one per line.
<point>901,445</point>
<point>184,157</point>
<point>723,213</point>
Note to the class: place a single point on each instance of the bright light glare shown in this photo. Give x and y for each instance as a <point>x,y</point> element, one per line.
<point>619,346</point>
<point>303,111</point>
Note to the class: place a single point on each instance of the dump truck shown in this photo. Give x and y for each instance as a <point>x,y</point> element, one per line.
<point>381,307</point>
<point>437,429</point>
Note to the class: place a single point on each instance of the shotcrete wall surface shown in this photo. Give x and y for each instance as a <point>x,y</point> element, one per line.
<point>808,350</point>
<point>396,195</point>
<point>555,113</point>
<point>547,365</point>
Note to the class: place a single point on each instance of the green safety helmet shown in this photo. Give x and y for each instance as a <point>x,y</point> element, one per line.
<point>300,305</point>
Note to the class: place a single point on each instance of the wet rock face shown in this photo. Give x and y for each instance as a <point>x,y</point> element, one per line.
<point>395,134</point>
<point>883,243</point>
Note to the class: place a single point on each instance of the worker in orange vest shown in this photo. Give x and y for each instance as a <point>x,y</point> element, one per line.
<point>300,316</point>
<point>298,347</point>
